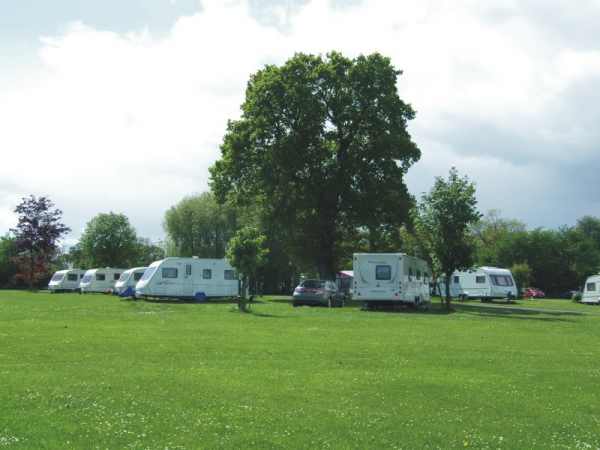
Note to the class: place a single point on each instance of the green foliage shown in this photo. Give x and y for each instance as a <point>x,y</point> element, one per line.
<point>522,274</point>
<point>147,253</point>
<point>199,226</point>
<point>322,143</point>
<point>8,268</point>
<point>247,253</point>
<point>109,240</point>
<point>443,219</point>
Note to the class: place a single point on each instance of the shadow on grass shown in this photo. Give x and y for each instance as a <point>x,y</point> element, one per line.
<point>516,313</point>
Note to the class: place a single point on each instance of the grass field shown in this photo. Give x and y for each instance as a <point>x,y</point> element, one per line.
<point>94,371</point>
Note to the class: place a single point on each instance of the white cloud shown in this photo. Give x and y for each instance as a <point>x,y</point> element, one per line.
<point>131,122</point>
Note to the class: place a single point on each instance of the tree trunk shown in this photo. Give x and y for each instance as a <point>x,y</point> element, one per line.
<point>448,298</point>
<point>31,268</point>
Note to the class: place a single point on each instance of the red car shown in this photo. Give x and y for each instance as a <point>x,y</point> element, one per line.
<point>532,292</point>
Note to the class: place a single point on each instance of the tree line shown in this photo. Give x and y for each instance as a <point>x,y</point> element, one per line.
<point>313,171</point>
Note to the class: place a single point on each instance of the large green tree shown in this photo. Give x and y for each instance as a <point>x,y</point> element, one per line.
<point>323,144</point>
<point>109,240</point>
<point>444,216</point>
<point>199,226</point>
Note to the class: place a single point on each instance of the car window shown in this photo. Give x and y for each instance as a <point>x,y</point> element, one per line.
<point>313,284</point>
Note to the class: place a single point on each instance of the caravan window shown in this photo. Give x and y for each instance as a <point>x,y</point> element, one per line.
<point>116,276</point>
<point>57,277</point>
<point>591,287</point>
<point>456,280</point>
<point>206,274</point>
<point>480,279</point>
<point>72,277</point>
<point>86,278</point>
<point>169,272</point>
<point>230,275</point>
<point>501,280</point>
<point>418,274</point>
<point>100,277</point>
<point>124,276</point>
<point>188,269</point>
<point>383,273</point>
<point>137,276</point>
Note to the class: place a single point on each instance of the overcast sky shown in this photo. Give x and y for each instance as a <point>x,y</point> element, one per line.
<point>120,105</point>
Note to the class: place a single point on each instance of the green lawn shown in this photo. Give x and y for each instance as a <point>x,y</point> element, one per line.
<point>94,371</point>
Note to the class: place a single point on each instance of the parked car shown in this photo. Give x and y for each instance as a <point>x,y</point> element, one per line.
<point>317,292</point>
<point>532,292</point>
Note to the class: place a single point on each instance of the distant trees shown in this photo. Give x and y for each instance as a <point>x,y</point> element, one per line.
<point>108,240</point>
<point>38,230</point>
<point>199,226</point>
<point>322,146</point>
<point>443,218</point>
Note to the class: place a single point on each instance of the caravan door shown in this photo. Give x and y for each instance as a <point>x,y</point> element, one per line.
<point>187,287</point>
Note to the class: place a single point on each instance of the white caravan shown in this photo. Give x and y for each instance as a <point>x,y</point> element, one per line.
<point>390,278</point>
<point>485,283</point>
<point>591,290</point>
<point>125,286</point>
<point>188,278</point>
<point>66,280</point>
<point>100,280</point>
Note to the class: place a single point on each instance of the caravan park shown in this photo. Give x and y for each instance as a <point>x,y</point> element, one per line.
<point>299,224</point>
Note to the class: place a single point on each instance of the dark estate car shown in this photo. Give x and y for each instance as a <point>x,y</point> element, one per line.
<point>317,292</point>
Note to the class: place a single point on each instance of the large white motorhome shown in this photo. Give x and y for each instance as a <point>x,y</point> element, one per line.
<point>390,278</point>
<point>188,278</point>
<point>66,280</point>
<point>125,285</point>
<point>591,290</point>
<point>485,283</point>
<point>100,280</point>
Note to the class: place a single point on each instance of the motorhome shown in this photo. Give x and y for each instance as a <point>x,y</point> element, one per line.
<point>100,280</point>
<point>125,285</point>
<point>188,278</point>
<point>66,280</point>
<point>591,290</point>
<point>485,283</point>
<point>390,278</point>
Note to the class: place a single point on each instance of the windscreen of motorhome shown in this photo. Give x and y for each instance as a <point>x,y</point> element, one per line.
<point>383,273</point>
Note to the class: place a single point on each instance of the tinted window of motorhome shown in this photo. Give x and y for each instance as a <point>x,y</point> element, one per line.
<point>385,272</point>
<point>456,280</point>
<point>591,287</point>
<point>502,280</point>
<point>230,275</point>
<point>137,276</point>
<point>169,272</point>
<point>100,277</point>
<point>58,277</point>
<point>207,274</point>
<point>72,277</point>
<point>148,273</point>
<point>480,279</point>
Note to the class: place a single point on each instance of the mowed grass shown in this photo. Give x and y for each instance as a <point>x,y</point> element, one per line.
<point>94,371</point>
